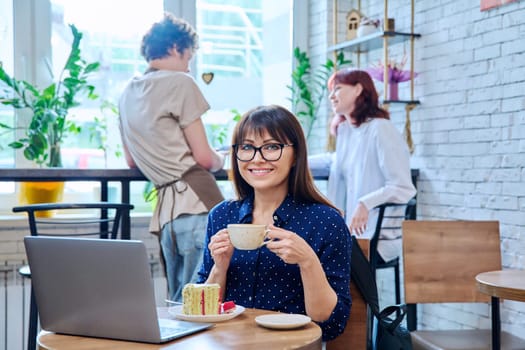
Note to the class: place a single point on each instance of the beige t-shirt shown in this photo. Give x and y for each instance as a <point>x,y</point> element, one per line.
<point>154,109</point>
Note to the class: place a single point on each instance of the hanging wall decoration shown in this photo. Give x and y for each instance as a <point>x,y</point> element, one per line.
<point>207,77</point>
<point>485,5</point>
<point>353,18</point>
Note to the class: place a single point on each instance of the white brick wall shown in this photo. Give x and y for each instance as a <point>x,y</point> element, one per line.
<point>14,228</point>
<point>469,131</point>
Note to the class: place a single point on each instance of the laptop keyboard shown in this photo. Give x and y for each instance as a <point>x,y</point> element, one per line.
<point>172,329</point>
<point>169,331</point>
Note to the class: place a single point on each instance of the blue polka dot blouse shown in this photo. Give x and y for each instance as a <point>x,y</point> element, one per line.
<point>260,279</point>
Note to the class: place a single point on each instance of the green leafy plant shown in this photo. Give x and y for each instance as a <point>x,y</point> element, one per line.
<point>218,133</point>
<point>98,131</point>
<point>49,106</point>
<point>309,86</point>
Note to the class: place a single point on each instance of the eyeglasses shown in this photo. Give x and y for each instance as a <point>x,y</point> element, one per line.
<point>270,152</point>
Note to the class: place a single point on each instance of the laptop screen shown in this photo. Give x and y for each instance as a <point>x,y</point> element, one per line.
<point>97,287</point>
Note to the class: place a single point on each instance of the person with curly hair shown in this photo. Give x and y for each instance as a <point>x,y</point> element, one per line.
<point>164,136</point>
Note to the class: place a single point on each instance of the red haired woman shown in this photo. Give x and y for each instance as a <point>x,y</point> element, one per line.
<point>371,165</point>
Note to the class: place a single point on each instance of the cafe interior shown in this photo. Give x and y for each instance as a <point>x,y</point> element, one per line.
<point>450,73</point>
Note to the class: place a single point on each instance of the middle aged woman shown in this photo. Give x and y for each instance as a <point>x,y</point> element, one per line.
<point>306,267</point>
<point>372,164</point>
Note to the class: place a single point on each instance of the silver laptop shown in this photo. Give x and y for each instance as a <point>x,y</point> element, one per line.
<point>98,288</point>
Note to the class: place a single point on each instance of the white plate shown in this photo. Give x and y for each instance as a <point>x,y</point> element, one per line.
<point>177,312</point>
<point>282,321</point>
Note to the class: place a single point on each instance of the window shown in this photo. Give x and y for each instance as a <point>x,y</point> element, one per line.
<point>7,155</point>
<point>237,44</point>
<point>230,38</point>
<point>246,45</point>
<point>7,158</point>
<point>114,41</point>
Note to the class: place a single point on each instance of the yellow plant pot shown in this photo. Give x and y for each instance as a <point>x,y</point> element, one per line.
<point>41,192</point>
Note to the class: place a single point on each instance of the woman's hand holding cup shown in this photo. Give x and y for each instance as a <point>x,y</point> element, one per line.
<point>289,246</point>
<point>221,249</point>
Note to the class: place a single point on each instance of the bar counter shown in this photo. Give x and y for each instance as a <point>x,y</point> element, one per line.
<point>124,176</point>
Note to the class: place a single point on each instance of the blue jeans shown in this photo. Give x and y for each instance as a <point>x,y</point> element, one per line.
<point>182,245</point>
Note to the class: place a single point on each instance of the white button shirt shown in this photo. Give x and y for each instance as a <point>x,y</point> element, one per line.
<point>372,166</point>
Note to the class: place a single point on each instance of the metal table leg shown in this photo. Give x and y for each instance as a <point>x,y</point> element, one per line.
<point>126,221</point>
<point>496,324</point>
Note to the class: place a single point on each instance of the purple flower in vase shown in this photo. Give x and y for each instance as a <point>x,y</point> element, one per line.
<point>396,74</point>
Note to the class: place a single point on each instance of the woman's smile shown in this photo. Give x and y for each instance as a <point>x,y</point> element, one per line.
<point>260,171</point>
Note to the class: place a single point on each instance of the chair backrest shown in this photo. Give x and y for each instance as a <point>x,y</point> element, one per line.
<point>442,258</point>
<point>390,217</point>
<point>355,334</point>
<point>99,219</point>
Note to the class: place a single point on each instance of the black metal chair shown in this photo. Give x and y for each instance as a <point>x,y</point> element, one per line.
<point>390,221</point>
<point>83,224</point>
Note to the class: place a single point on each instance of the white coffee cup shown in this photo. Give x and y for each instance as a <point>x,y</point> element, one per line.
<point>247,236</point>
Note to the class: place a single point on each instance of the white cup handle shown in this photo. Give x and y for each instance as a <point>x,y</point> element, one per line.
<point>266,235</point>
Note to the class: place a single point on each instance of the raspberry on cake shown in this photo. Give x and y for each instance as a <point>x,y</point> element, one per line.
<point>228,307</point>
<point>201,299</point>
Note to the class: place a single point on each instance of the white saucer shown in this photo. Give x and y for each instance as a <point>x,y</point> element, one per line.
<point>282,321</point>
<point>177,312</point>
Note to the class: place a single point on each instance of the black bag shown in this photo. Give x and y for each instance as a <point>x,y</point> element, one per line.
<point>391,335</point>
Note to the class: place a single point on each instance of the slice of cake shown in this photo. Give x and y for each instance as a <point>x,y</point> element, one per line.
<point>201,299</point>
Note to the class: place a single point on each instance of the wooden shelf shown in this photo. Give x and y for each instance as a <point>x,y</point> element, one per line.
<point>380,40</point>
<point>407,102</point>
<point>372,41</point>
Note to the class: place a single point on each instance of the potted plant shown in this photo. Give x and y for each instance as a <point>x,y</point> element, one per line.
<point>49,109</point>
<point>309,86</point>
<point>49,106</point>
<point>99,131</point>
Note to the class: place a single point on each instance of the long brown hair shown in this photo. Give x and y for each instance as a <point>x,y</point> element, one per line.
<point>283,126</point>
<point>367,104</point>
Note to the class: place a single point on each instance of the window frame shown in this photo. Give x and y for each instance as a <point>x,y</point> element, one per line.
<point>32,53</point>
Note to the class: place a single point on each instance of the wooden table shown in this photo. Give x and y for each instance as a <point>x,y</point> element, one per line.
<point>239,333</point>
<point>506,284</point>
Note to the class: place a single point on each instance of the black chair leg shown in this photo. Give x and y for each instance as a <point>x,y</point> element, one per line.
<point>412,317</point>
<point>397,282</point>
<point>370,330</point>
<point>33,323</point>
